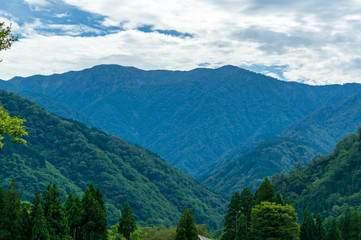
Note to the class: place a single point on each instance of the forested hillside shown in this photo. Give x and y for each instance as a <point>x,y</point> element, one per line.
<point>329,184</point>
<point>267,159</point>
<point>73,156</point>
<point>190,118</point>
<point>324,128</point>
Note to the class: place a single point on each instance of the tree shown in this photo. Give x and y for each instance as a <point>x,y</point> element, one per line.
<point>10,225</point>
<point>232,217</point>
<point>93,216</point>
<point>186,229</point>
<point>40,230</point>
<point>333,231</point>
<point>73,215</point>
<point>320,230</point>
<point>347,225</point>
<point>308,227</point>
<point>274,221</point>
<point>26,224</point>
<point>6,38</point>
<point>247,203</point>
<point>127,223</point>
<point>355,224</point>
<point>11,126</point>
<point>55,213</point>
<point>265,192</point>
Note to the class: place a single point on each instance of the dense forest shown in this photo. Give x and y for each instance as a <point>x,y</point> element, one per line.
<point>73,155</point>
<point>268,158</point>
<point>190,118</point>
<point>327,185</point>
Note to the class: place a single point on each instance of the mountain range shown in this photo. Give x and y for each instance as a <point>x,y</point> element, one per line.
<point>196,120</point>
<point>73,155</point>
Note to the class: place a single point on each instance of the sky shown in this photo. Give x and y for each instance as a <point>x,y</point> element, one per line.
<point>316,42</point>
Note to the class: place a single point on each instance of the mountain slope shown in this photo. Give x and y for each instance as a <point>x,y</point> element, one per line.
<point>329,184</point>
<point>190,118</point>
<point>268,158</point>
<point>73,156</point>
<point>325,127</point>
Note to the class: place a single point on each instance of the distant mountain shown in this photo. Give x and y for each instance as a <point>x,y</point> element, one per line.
<point>329,184</point>
<point>323,128</point>
<point>73,156</point>
<point>268,158</point>
<point>190,118</point>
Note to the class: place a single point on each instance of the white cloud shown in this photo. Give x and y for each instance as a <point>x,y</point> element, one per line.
<point>319,41</point>
<point>37,2</point>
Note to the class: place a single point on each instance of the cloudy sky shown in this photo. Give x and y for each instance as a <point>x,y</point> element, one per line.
<point>310,41</point>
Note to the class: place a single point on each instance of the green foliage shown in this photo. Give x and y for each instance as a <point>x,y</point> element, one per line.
<point>127,223</point>
<point>308,227</point>
<point>10,221</point>
<point>247,203</point>
<point>93,216</point>
<point>6,38</point>
<point>186,229</point>
<point>265,192</point>
<point>73,155</point>
<point>268,158</point>
<point>73,215</point>
<point>329,184</point>
<point>40,229</point>
<point>274,221</point>
<point>227,107</point>
<point>333,231</point>
<point>232,217</point>
<point>54,213</point>
<point>320,230</point>
<point>11,126</point>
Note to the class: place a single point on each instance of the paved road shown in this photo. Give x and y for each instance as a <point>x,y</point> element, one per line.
<point>203,238</point>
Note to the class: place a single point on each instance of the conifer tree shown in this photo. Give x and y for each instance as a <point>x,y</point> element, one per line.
<point>127,223</point>
<point>2,196</point>
<point>355,224</point>
<point>39,229</point>
<point>279,199</point>
<point>10,225</point>
<point>247,203</point>
<point>308,227</point>
<point>320,230</point>
<point>55,213</point>
<point>36,201</point>
<point>333,231</point>
<point>73,214</point>
<point>346,225</point>
<point>186,229</point>
<point>26,225</point>
<point>243,231</point>
<point>265,192</point>
<point>93,217</point>
<point>232,217</point>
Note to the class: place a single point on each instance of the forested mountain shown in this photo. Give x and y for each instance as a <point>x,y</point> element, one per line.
<point>190,118</point>
<point>329,184</point>
<point>324,128</point>
<point>268,158</point>
<point>73,156</point>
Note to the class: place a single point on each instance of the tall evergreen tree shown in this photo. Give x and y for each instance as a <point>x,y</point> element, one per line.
<point>127,223</point>
<point>333,231</point>
<point>265,192</point>
<point>55,213</point>
<point>243,231</point>
<point>36,201</point>
<point>232,217</point>
<point>93,217</point>
<point>10,226</point>
<point>26,224</point>
<point>186,229</point>
<point>320,230</point>
<point>40,229</point>
<point>73,214</point>
<point>2,196</point>
<point>247,203</point>
<point>355,224</point>
<point>347,225</point>
<point>308,227</point>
